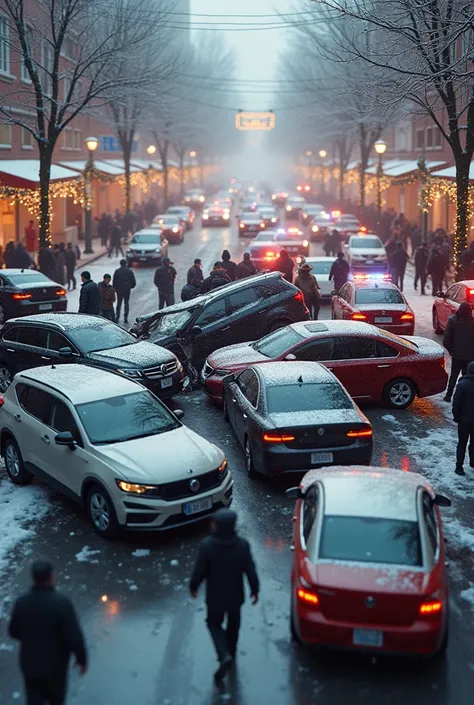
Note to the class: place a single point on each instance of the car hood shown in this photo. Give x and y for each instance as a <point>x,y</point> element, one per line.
<point>141,353</point>
<point>146,246</point>
<point>235,356</point>
<point>372,251</point>
<point>293,419</point>
<point>166,457</point>
<point>381,307</point>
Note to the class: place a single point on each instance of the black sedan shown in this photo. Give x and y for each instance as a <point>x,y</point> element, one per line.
<point>295,416</point>
<point>52,339</point>
<point>172,227</point>
<point>250,224</point>
<point>25,291</point>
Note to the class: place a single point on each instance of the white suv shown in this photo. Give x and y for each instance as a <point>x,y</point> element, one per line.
<point>366,251</point>
<point>113,446</point>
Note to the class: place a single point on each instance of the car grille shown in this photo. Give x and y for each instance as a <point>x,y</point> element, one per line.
<point>181,489</point>
<point>207,370</point>
<point>168,368</point>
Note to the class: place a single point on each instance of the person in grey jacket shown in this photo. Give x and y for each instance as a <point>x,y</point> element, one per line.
<point>459,342</point>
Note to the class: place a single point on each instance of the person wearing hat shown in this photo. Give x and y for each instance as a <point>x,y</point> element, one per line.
<point>195,272</point>
<point>229,266</point>
<point>246,267</point>
<point>218,277</point>
<point>107,298</point>
<point>309,286</point>
<point>165,277</point>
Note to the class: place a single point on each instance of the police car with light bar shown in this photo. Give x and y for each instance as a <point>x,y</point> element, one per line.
<point>293,240</point>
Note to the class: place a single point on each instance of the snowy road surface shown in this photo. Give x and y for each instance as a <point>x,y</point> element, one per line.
<point>148,641</point>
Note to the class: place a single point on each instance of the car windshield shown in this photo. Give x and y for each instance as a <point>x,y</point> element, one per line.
<point>171,322</point>
<point>314,209</point>
<point>267,213</point>
<point>320,267</point>
<point>145,239</point>
<point>367,243</point>
<point>277,343</point>
<point>289,236</point>
<point>100,335</point>
<point>307,397</point>
<point>378,296</point>
<point>25,278</point>
<point>124,418</point>
<point>196,192</point>
<point>178,211</point>
<point>251,217</point>
<point>370,540</point>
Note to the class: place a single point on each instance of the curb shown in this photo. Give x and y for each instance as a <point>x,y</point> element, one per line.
<point>93,258</point>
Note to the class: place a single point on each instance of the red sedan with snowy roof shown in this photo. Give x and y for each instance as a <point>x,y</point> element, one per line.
<point>372,364</point>
<point>369,570</point>
<point>374,300</point>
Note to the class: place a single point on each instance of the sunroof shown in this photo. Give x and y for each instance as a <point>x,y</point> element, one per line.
<point>316,327</point>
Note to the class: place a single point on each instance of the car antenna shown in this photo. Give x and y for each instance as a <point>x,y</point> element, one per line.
<point>300,379</point>
<point>53,367</point>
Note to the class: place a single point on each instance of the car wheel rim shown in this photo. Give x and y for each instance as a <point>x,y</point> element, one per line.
<point>5,378</point>
<point>12,461</point>
<point>99,512</point>
<point>400,393</point>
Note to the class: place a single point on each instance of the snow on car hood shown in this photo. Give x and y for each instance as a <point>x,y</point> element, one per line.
<point>166,457</point>
<point>233,355</point>
<point>142,354</point>
<point>145,246</point>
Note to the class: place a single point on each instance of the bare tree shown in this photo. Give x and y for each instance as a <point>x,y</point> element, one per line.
<point>69,50</point>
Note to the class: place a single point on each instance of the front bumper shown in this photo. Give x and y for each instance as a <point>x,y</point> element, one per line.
<point>146,258</point>
<point>150,514</point>
<point>276,460</point>
<point>163,388</point>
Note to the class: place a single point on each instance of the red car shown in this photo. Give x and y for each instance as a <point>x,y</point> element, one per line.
<point>368,570</point>
<point>373,365</point>
<point>446,304</point>
<point>374,301</point>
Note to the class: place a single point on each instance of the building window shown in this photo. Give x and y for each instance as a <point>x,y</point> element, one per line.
<point>47,65</point>
<point>25,76</point>
<point>68,138</point>
<point>437,137</point>
<point>69,48</point>
<point>77,140</point>
<point>429,138</point>
<point>67,87</point>
<point>420,139</point>
<point>26,139</point>
<point>4,45</point>
<point>5,136</point>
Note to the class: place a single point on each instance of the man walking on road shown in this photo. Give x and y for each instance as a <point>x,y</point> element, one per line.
<point>436,267</point>
<point>115,240</point>
<point>421,260</point>
<point>229,266</point>
<point>70,266</point>
<point>246,267</point>
<point>107,295</point>
<point>459,342</point>
<point>218,277</point>
<point>195,272</point>
<point>90,298</point>
<point>463,413</point>
<point>45,624</point>
<point>339,271</point>
<point>397,263</point>
<point>123,282</point>
<point>223,559</point>
<point>165,277</point>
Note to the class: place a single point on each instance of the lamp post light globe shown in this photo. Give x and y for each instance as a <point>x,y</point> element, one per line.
<point>151,150</point>
<point>323,154</point>
<point>380,147</point>
<point>91,143</point>
<point>192,154</point>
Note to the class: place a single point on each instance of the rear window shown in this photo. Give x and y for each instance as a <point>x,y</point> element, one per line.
<point>307,397</point>
<point>370,540</point>
<point>320,267</point>
<point>378,296</point>
<point>23,279</point>
<point>366,243</point>
<point>276,343</point>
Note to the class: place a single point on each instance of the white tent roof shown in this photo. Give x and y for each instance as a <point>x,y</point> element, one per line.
<point>143,164</point>
<point>105,167</point>
<point>117,164</point>
<point>28,170</point>
<point>450,172</point>
<point>400,167</point>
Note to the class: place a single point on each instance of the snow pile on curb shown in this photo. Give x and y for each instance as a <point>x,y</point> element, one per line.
<point>20,508</point>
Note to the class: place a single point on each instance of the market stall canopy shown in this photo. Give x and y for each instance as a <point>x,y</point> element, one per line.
<point>450,173</point>
<point>116,164</point>
<point>24,173</point>
<point>402,167</point>
<point>105,167</point>
<point>144,165</point>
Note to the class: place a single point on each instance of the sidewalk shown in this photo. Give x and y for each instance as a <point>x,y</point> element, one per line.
<point>99,252</point>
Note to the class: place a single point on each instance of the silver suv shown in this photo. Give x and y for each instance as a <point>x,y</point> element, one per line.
<point>113,446</point>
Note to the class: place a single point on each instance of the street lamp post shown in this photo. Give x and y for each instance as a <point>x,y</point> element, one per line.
<point>91,143</point>
<point>309,155</point>
<point>150,150</point>
<point>322,155</point>
<point>380,146</point>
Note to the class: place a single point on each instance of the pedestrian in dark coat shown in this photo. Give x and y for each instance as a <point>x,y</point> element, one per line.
<point>459,342</point>
<point>246,267</point>
<point>436,267</point>
<point>195,272</point>
<point>165,277</point>
<point>223,560</point>
<point>9,255</point>
<point>103,229</point>
<point>229,266</point>
<point>60,262</point>
<point>218,277</point>
<point>115,241</point>
<point>90,299</point>
<point>191,290</point>
<point>397,263</point>
<point>123,282</point>
<point>463,414</point>
<point>339,271</point>
<point>46,262</point>
<point>421,260</point>
<point>390,247</point>
<point>46,625</point>
<point>285,265</point>
<point>71,260</point>
<point>309,286</point>
<point>334,242</point>
<point>21,258</point>
<point>107,295</point>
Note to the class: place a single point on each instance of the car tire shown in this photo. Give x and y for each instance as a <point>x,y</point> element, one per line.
<point>3,316</point>
<point>5,377</point>
<point>436,327</point>
<point>225,411</point>
<point>101,512</point>
<point>14,465</point>
<point>399,394</point>
<point>249,466</point>
<point>277,325</point>
<point>294,634</point>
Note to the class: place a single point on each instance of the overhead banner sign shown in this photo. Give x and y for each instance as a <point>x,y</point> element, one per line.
<point>255,121</point>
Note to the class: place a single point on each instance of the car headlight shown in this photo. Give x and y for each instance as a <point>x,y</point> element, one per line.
<point>132,488</point>
<point>176,230</point>
<point>288,208</point>
<point>305,243</point>
<point>274,220</point>
<point>205,216</point>
<point>158,249</point>
<point>315,229</point>
<point>130,373</point>
<point>222,469</point>
<point>221,373</point>
<point>202,199</point>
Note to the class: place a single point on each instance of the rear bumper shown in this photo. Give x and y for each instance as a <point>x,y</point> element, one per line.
<point>275,460</point>
<point>29,308</point>
<point>155,385</point>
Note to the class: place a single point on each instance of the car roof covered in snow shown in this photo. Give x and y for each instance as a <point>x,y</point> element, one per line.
<point>81,384</point>
<point>368,491</point>
<point>374,284</point>
<point>65,321</point>
<point>308,329</point>
<point>284,373</point>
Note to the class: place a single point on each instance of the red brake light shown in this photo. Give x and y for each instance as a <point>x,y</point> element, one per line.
<point>431,607</point>
<point>277,438</point>
<point>307,596</point>
<point>262,225</point>
<point>363,229</point>
<point>407,317</point>
<point>307,188</point>
<point>61,292</point>
<point>443,362</point>
<point>360,434</point>
<point>471,291</point>
<point>20,297</point>
<point>359,317</point>
<point>298,296</point>
<point>2,400</point>
<point>270,255</point>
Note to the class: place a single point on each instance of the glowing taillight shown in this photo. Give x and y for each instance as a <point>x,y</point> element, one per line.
<point>443,362</point>
<point>358,317</point>
<point>306,596</point>
<point>2,400</point>
<point>242,225</point>
<point>407,317</point>
<point>298,296</point>
<point>277,438</point>
<point>431,607</point>
<point>262,225</point>
<point>21,297</point>
<point>61,292</point>
<point>366,433</point>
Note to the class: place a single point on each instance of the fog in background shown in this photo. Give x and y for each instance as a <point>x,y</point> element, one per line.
<point>257,55</point>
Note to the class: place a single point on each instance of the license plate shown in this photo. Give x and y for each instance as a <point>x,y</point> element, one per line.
<point>321,458</point>
<point>367,637</point>
<point>369,261</point>
<point>383,319</point>
<point>200,505</point>
<point>142,259</point>
<point>166,383</point>
<point>215,220</point>
<point>45,307</point>
<point>253,227</point>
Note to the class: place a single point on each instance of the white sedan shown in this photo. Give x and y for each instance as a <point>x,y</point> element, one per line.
<point>321,268</point>
<point>366,252</point>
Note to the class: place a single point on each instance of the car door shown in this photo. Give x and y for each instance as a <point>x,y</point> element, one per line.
<point>246,311</point>
<point>54,343</point>
<point>354,362</point>
<point>245,408</point>
<point>237,392</point>
<point>32,430</point>
<point>29,348</point>
<point>448,305</point>
<point>215,330</point>
<point>9,359</point>
<point>339,303</point>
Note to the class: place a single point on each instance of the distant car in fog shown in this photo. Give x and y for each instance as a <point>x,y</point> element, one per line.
<point>216,215</point>
<point>250,224</point>
<point>195,197</point>
<point>185,213</point>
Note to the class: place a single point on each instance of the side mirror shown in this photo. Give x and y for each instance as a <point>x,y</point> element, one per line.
<point>440,295</point>
<point>290,357</point>
<point>294,493</point>
<point>65,352</point>
<point>228,379</point>
<point>179,413</point>
<point>65,438</point>
<point>196,330</point>
<point>333,292</point>
<point>442,501</point>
